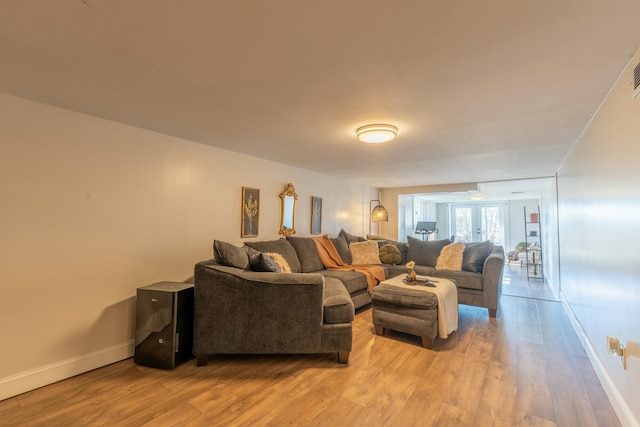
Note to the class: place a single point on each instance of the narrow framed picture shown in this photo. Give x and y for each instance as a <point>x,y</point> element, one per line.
<point>316,215</point>
<point>250,212</point>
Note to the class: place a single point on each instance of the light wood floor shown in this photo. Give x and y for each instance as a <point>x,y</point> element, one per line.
<point>515,283</point>
<point>524,368</point>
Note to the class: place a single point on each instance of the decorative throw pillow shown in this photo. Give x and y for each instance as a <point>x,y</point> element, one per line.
<point>425,252</point>
<point>230,255</point>
<point>280,246</point>
<point>363,253</point>
<point>451,257</point>
<point>282,263</point>
<point>474,256</point>
<point>403,247</point>
<point>390,254</point>
<point>258,261</point>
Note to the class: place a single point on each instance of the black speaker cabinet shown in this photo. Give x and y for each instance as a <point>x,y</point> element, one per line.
<point>164,324</point>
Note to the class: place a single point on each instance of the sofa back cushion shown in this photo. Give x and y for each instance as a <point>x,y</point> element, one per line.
<point>475,254</point>
<point>230,255</point>
<point>343,249</point>
<point>425,252</point>
<point>307,254</point>
<point>350,238</point>
<point>280,246</point>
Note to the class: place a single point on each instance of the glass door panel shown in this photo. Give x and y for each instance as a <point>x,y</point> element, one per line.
<point>478,222</point>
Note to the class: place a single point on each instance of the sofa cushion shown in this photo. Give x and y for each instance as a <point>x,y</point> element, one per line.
<point>353,281</point>
<point>462,279</point>
<point>390,254</point>
<point>364,253</point>
<point>307,254</point>
<point>425,252</point>
<point>475,254</point>
<point>451,257</point>
<point>338,307</point>
<point>343,248</point>
<point>280,246</point>
<point>230,255</point>
<point>259,261</point>
<point>350,238</point>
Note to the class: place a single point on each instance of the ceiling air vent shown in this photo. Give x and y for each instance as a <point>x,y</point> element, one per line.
<point>636,81</point>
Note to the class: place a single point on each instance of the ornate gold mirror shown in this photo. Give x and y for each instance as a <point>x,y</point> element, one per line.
<point>289,198</point>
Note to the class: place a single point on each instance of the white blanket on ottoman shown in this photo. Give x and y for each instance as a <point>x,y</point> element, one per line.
<point>447,294</point>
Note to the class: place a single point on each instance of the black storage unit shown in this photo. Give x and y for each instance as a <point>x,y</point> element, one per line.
<point>164,324</point>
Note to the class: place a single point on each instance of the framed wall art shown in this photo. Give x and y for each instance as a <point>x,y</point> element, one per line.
<point>250,212</point>
<point>316,215</point>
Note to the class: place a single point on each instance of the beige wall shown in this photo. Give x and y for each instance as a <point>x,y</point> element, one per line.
<point>599,229</point>
<point>93,209</point>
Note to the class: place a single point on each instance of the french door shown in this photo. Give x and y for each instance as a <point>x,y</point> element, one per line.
<point>477,222</point>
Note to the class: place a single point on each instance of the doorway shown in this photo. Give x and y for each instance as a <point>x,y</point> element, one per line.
<point>477,222</point>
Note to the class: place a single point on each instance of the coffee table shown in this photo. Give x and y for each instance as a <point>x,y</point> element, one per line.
<point>426,311</point>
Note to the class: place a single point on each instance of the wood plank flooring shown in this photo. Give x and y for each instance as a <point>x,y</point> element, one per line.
<point>515,283</point>
<point>524,368</point>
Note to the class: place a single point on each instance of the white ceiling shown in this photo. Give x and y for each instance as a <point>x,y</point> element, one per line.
<point>481,91</point>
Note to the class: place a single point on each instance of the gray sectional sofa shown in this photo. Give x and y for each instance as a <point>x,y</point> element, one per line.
<point>244,305</point>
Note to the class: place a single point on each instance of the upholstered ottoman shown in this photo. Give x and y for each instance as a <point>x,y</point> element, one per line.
<point>415,309</point>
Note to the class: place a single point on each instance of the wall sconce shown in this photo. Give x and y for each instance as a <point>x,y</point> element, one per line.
<point>378,213</point>
<point>617,349</point>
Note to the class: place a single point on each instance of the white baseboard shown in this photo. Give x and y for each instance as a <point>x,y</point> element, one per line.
<point>49,374</point>
<point>623,412</point>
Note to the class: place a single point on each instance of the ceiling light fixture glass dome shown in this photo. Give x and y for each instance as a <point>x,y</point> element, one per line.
<point>375,134</point>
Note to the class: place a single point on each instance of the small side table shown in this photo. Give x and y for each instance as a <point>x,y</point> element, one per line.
<point>164,324</point>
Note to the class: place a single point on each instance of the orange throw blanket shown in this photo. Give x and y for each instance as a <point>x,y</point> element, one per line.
<point>332,261</point>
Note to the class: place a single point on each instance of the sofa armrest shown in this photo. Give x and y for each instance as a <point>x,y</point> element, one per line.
<point>238,311</point>
<point>492,279</point>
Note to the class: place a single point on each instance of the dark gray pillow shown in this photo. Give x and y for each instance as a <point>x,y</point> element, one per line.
<point>307,254</point>
<point>404,252</point>
<point>343,249</point>
<point>230,255</point>
<point>475,254</point>
<point>350,238</point>
<point>282,247</point>
<point>425,252</point>
<point>261,262</point>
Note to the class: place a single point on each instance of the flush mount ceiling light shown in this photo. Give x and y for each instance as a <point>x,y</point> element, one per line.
<point>375,134</point>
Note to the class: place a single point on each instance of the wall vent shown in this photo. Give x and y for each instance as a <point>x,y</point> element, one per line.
<point>636,81</point>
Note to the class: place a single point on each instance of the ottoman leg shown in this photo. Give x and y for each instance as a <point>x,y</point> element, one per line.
<point>427,342</point>
<point>379,330</point>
